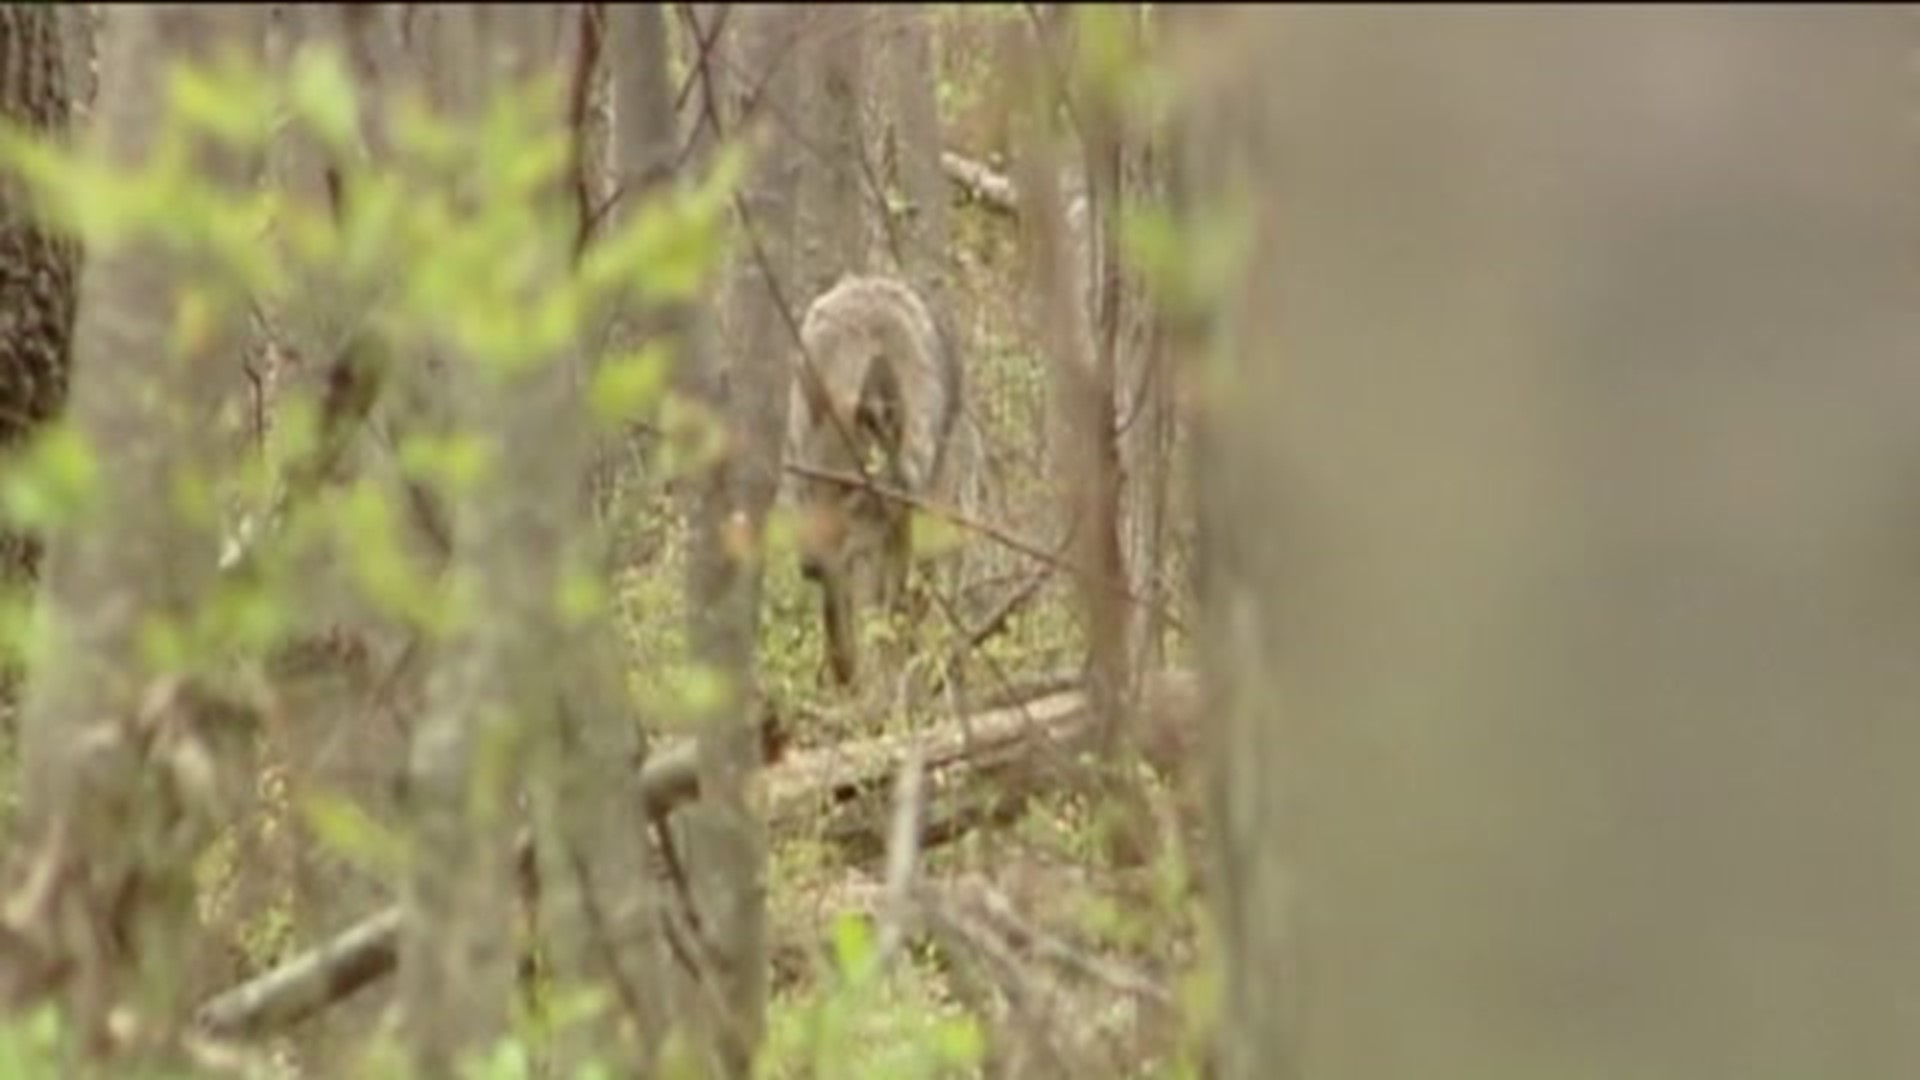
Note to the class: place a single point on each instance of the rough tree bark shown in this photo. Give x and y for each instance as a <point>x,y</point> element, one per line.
<point>1559,603</point>
<point>599,899</point>
<point>834,208</point>
<point>749,392</point>
<point>38,268</point>
<point>1144,430</point>
<point>353,674</point>
<point>492,698</point>
<point>645,156</point>
<point>37,265</point>
<point>1087,470</point>
<point>911,146</point>
<point>155,339</point>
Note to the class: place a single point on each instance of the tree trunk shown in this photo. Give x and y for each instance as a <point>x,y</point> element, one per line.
<point>98,796</point>
<point>913,146</point>
<point>354,671</point>
<point>599,900</point>
<point>1143,421</point>
<point>728,849</point>
<point>1560,608</point>
<point>645,158</point>
<point>1087,470</point>
<point>707,33</point>
<point>834,235</point>
<point>492,700</point>
<point>37,266</point>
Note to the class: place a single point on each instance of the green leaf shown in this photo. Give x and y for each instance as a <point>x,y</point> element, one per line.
<point>1109,48</point>
<point>370,534</point>
<point>322,93</point>
<point>225,99</point>
<point>379,214</point>
<point>554,323</point>
<point>934,536</point>
<point>421,135</point>
<point>853,946</point>
<point>960,1042</point>
<point>340,824</point>
<point>456,461</point>
<point>1150,239</point>
<point>246,616</point>
<point>55,482</point>
<point>582,595</point>
<point>537,165</point>
<point>702,689</point>
<point>296,432</point>
<point>164,644</point>
<point>628,386</point>
<point>47,170</point>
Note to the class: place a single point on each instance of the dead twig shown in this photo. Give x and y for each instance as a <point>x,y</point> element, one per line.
<point>903,854</point>
<point>992,532</point>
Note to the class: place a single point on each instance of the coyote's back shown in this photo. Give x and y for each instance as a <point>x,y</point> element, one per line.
<point>876,384</point>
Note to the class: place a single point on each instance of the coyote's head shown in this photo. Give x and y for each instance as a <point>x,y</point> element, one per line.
<point>873,397</point>
<point>843,520</point>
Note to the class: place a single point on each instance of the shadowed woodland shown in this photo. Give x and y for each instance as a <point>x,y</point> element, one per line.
<point>957,540</point>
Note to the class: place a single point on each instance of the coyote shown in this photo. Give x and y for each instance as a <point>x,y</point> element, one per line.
<point>876,383</point>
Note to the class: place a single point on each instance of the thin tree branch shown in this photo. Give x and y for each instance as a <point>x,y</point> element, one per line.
<point>992,532</point>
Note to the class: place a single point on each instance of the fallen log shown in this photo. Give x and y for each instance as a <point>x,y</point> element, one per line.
<point>309,982</point>
<point>1005,743</point>
<point>991,188</point>
<point>368,950</point>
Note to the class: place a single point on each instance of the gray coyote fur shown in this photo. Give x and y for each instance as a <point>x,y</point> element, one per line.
<point>884,389</point>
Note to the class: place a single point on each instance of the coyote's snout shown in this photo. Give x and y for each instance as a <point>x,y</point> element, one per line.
<point>876,389</point>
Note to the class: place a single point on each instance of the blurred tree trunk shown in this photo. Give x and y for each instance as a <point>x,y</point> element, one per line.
<point>115,827</point>
<point>353,676</point>
<point>1559,596</point>
<point>908,148</point>
<point>748,392</point>
<point>38,268</point>
<point>833,207</point>
<point>1087,473</point>
<point>645,155</point>
<point>707,33</point>
<point>599,898</point>
<point>492,698</point>
<point>911,146</point>
<point>80,35</point>
<point>1131,330</point>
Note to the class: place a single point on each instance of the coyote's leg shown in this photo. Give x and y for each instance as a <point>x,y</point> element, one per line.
<point>842,635</point>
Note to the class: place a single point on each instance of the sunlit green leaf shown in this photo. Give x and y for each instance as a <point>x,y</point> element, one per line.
<point>164,644</point>
<point>385,571</point>
<point>247,618</point>
<point>54,481</point>
<point>225,99</point>
<point>537,165</point>
<point>322,93</point>
<point>852,943</point>
<point>554,324</point>
<point>1109,47</point>
<point>934,535</point>
<point>582,596</point>
<point>455,461</point>
<point>960,1041</point>
<point>702,689</point>
<point>343,826</point>
<point>629,385</point>
<point>420,135</point>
